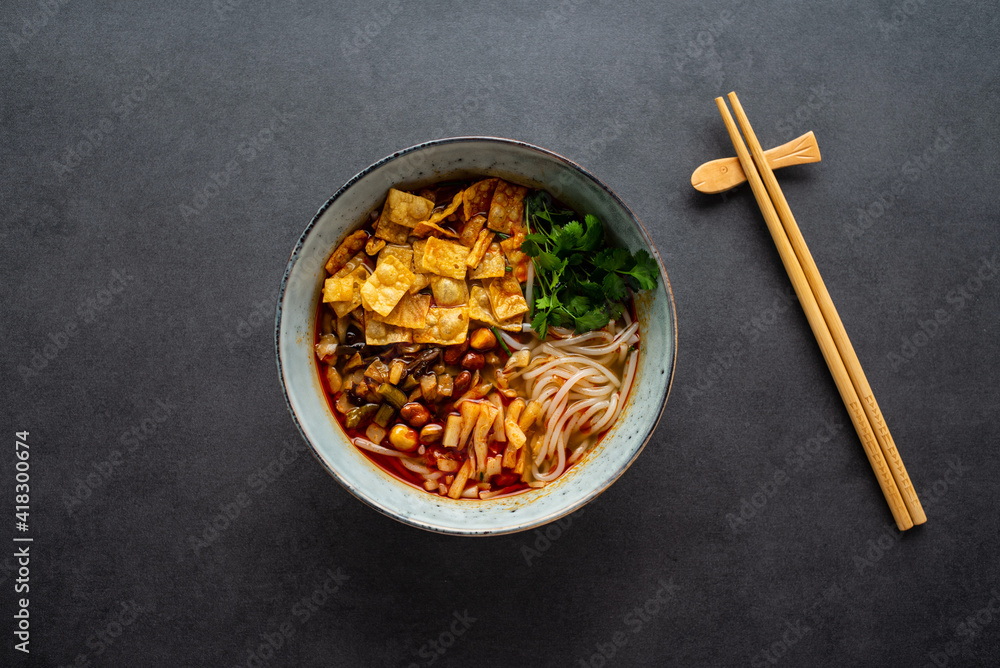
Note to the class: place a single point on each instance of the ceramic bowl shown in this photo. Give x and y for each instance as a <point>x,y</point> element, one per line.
<point>298,300</point>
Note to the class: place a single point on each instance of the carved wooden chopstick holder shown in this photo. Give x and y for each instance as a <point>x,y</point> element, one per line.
<point>717,176</point>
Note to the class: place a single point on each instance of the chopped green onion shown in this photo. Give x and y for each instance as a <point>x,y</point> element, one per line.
<point>503,344</point>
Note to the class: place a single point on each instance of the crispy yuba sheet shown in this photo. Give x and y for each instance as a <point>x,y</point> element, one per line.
<point>478,196</point>
<point>383,334</point>
<point>445,326</point>
<point>408,209</point>
<point>481,310</point>
<point>445,258</point>
<point>506,297</point>
<point>449,291</point>
<point>492,265</point>
<point>386,286</point>
<point>410,312</point>
<point>507,208</point>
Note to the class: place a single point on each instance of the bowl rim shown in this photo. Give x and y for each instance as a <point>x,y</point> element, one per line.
<point>520,526</point>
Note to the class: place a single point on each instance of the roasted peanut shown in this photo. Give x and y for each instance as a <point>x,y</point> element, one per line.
<point>483,339</point>
<point>473,361</point>
<point>454,353</point>
<point>403,438</point>
<point>431,433</point>
<point>415,414</point>
<point>462,383</point>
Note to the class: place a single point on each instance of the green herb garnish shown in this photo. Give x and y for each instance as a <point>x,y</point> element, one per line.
<point>503,344</point>
<point>581,280</point>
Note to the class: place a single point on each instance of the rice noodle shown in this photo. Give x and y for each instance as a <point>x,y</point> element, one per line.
<point>579,452</point>
<point>577,340</point>
<point>571,376</point>
<point>570,383</point>
<point>606,420</point>
<point>544,365</point>
<point>365,444</point>
<point>555,472</point>
<point>511,342</point>
<point>599,406</point>
<point>415,467</point>
<point>633,362</point>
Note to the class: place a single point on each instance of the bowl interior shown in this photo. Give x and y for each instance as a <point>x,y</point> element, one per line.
<point>299,298</point>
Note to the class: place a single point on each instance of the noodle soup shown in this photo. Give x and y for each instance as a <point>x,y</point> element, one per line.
<point>446,353</point>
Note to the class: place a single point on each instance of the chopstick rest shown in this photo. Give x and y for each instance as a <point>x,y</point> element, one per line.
<point>716,176</point>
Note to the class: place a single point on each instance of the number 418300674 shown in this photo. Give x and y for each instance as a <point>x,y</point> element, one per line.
<point>21,489</point>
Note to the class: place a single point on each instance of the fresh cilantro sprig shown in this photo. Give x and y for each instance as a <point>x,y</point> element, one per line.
<point>581,280</point>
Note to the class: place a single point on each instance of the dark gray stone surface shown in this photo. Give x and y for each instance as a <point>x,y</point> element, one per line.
<point>159,164</point>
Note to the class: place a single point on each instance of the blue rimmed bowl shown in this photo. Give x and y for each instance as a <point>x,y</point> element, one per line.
<point>298,300</point>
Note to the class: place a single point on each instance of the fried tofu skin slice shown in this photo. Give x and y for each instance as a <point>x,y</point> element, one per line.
<point>401,213</point>
<point>390,231</point>
<point>445,326</point>
<point>407,209</point>
<point>444,258</point>
<point>422,277</point>
<point>419,246</point>
<point>517,259</point>
<point>478,196</point>
<point>506,297</point>
<point>410,312</point>
<point>507,208</point>
<point>430,225</point>
<point>470,230</point>
<point>402,253</point>
<point>383,334</point>
<point>352,275</point>
<point>338,289</point>
<point>347,249</point>
<point>386,286</point>
<point>479,249</point>
<point>449,291</point>
<point>481,310</point>
<point>420,281</point>
<point>492,265</point>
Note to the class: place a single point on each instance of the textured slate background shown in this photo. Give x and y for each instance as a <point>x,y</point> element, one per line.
<point>159,164</point>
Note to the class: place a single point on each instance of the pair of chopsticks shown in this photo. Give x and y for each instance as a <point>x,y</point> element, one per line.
<point>825,323</point>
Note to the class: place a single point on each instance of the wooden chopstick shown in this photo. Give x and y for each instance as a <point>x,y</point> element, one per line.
<point>840,338</point>
<point>819,327</point>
